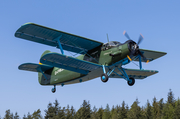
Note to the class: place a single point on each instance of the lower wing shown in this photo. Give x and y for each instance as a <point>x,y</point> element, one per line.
<point>135,73</point>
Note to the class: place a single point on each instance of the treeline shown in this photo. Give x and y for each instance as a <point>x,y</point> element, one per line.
<point>161,109</point>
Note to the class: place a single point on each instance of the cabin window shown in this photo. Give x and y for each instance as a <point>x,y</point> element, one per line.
<point>109,45</point>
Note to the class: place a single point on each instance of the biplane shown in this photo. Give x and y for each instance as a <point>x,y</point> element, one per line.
<point>95,59</point>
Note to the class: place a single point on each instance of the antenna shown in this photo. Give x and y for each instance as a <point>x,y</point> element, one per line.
<point>107,38</point>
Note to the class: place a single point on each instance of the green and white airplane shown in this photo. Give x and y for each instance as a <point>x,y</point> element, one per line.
<point>96,59</point>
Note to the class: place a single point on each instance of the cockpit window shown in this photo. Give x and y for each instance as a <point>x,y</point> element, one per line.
<point>110,45</point>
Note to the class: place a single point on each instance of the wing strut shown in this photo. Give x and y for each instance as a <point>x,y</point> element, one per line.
<point>140,63</point>
<point>59,43</point>
<point>42,72</point>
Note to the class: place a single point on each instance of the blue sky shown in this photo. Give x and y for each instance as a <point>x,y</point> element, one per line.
<point>158,21</point>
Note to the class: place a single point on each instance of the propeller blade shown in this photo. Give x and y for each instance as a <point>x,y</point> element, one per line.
<point>141,37</point>
<point>127,36</point>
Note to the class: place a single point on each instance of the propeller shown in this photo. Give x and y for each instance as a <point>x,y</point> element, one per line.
<point>141,37</point>
<point>127,36</point>
<point>135,47</point>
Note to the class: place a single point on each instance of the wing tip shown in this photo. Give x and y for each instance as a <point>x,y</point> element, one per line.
<point>22,26</point>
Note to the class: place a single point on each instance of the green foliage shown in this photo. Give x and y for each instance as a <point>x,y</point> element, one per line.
<point>156,110</point>
<point>123,111</point>
<point>170,98</point>
<point>94,114</point>
<point>16,116</point>
<point>148,110</point>
<point>84,112</point>
<point>100,113</point>
<point>106,113</point>
<point>135,111</point>
<point>37,114</point>
<point>177,109</point>
<point>8,114</point>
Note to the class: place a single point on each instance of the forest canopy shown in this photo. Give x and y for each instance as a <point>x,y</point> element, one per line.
<point>158,109</point>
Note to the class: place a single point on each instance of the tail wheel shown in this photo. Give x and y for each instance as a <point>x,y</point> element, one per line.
<point>53,89</point>
<point>131,81</point>
<point>104,78</point>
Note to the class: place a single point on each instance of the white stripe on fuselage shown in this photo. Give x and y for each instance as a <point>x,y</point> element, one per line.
<point>58,71</point>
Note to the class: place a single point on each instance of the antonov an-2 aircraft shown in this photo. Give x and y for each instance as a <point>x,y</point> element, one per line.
<point>96,59</point>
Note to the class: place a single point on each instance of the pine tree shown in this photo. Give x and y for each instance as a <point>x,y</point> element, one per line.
<point>16,116</point>
<point>123,110</point>
<point>94,113</point>
<point>143,113</point>
<point>84,112</point>
<point>118,111</point>
<point>29,116</point>
<point>56,107</point>
<point>24,117</point>
<point>100,113</point>
<point>161,106</point>
<point>37,114</point>
<point>170,98</point>
<point>61,113</point>
<point>168,111</point>
<point>177,109</point>
<point>135,111</point>
<point>113,113</point>
<point>155,108</point>
<point>73,112</point>
<point>50,112</point>
<point>8,114</point>
<point>148,110</point>
<point>106,113</point>
<point>70,112</point>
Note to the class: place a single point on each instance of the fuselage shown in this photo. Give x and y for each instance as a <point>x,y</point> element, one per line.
<point>107,54</point>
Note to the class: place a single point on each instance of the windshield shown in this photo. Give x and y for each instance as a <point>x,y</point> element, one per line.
<point>110,45</point>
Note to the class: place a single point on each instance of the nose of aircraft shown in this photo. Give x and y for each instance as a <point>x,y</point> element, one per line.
<point>134,47</point>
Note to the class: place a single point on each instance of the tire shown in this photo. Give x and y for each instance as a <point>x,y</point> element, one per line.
<point>53,90</point>
<point>104,78</point>
<point>131,82</point>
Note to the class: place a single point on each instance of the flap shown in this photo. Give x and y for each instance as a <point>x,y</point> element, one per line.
<point>48,36</point>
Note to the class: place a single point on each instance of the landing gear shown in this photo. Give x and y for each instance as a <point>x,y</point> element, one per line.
<point>104,77</point>
<point>131,81</point>
<point>54,89</point>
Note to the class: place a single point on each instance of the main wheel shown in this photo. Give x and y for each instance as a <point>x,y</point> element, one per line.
<point>131,81</point>
<point>53,90</point>
<point>104,78</point>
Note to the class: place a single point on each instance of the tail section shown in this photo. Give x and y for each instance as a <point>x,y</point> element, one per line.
<point>45,52</point>
<point>44,71</point>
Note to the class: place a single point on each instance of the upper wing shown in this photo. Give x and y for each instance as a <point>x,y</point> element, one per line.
<point>151,55</point>
<point>48,36</point>
<point>34,67</point>
<point>68,63</point>
<point>135,73</point>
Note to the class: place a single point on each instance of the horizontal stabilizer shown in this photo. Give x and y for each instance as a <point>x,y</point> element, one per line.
<point>68,63</point>
<point>135,73</point>
<point>48,36</point>
<point>34,67</point>
<point>151,55</point>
